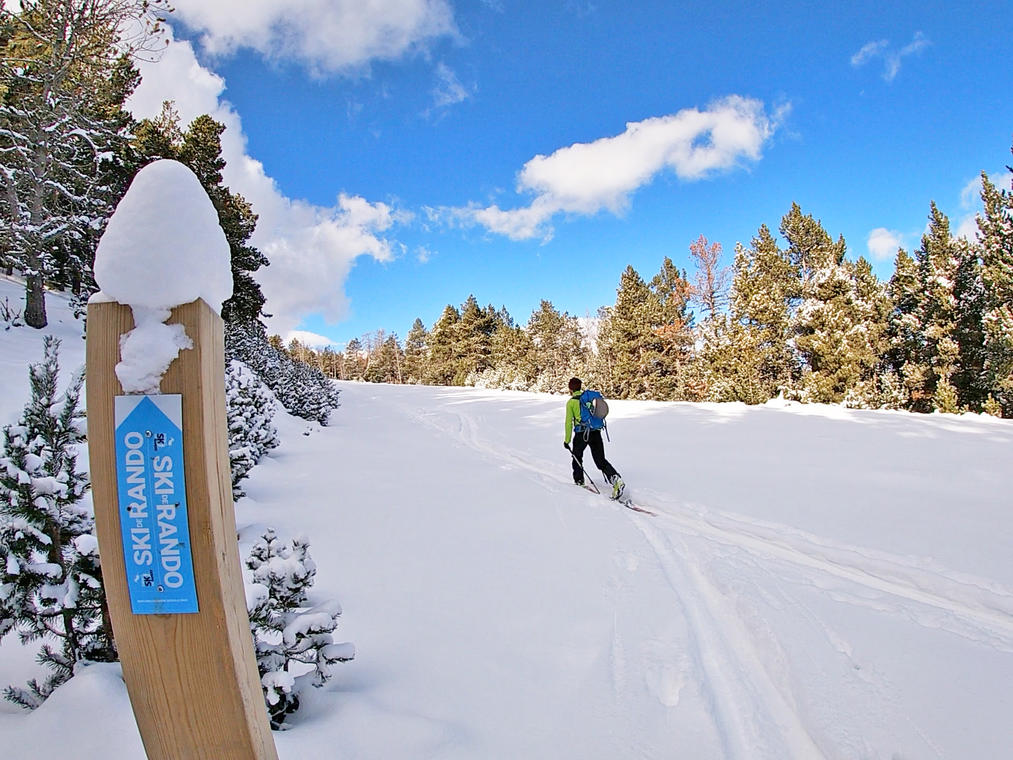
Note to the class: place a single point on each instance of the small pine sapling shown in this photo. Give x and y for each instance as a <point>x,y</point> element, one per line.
<point>50,581</point>
<point>250,408</point>
<point>293,641</point>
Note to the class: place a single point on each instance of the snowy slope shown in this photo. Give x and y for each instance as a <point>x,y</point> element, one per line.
<point>818,583</point>
<point>20,346</point>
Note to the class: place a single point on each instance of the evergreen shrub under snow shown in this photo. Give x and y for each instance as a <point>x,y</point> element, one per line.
<point>50,581</point>
<point>250,409</point>
<point>293,641</point>
<point>303,390</point>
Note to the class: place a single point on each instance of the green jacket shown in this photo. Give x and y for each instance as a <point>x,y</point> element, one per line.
<point>572,416</point>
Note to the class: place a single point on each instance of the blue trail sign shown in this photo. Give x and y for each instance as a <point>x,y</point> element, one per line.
<point>152,504</point>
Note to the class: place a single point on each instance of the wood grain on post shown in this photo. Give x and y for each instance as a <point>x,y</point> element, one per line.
<point>192,678</point>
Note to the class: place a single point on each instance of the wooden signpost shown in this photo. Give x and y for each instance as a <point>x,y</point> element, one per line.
<point>167,538</point>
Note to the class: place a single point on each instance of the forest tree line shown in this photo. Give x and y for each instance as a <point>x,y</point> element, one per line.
<point>790,316</point>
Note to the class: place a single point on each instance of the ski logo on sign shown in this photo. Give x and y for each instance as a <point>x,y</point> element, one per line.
<point>152,504</point>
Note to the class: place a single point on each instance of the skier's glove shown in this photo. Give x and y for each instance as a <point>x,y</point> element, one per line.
<point>566,445</point>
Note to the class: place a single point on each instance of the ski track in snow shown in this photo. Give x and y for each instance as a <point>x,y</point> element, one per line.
<point>978,609</point>
<point>754,719</point>
<point>752,708</point>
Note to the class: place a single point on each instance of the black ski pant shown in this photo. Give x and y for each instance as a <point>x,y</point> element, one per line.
<point>594,442</point>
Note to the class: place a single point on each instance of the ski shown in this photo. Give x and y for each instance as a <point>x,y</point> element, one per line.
<point>624,500</point>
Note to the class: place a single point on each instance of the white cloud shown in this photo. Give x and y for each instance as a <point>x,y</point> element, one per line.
<point>892,59</point>
<point>448,90</point>
<point>586,178</point>
<point>970,206</point>
<point>311,248</point>
<point>311,339</point>
<point>970,195</point>
<point>967,228</point>
<point>883,243</point>
<point>327,36</point>
<point>869,50</point>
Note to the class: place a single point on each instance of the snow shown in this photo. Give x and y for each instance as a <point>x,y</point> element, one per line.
<point>163,247</point>
<point>147,351</point>
<point>818,582</point>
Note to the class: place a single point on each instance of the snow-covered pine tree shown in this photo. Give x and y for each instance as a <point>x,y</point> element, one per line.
<point>825,316</point>
<point>996,227</point>
<point>250,409</point>
<point>905,336</point>
<point>303,390</point>
<point>293,642</point>
<point>875,385</point>
<point>969,379</point>
<point>938,263</point>
<point>50,582</point>
<point>556,348</point>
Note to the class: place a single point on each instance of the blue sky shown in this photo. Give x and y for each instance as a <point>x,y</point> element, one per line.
<point>406,156</point>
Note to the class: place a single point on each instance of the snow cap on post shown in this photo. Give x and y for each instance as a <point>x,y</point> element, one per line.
<point>163,247</point>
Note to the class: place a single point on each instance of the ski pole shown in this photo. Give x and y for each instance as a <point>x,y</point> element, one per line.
<point>581,466</point>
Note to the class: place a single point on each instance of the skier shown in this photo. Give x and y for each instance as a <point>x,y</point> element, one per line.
<point>587,437</point>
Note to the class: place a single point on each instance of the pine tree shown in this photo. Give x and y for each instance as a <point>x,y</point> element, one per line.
<point>355,360</point>
<point>444,348</point>
<point>555,348</point>
<point>104,182</point>
<point>732,363</point>
<point>514,366</point>
<point>474,335</point>
<point>386,360</point>
<point>673,329</point>
<point>874,384</point>
<point>905,336</point>
<point>250,409</point>
<point>294,643</point>
<point>62,59</point>
<point>827,316</point>
<point>416,349</point>
<point>996,227</point>
<point>330,363</point>
<point>938,263</point>
<point>969,379</point>
<point>627,340</point>
<point>50,582</point>
<point>750,358</point>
